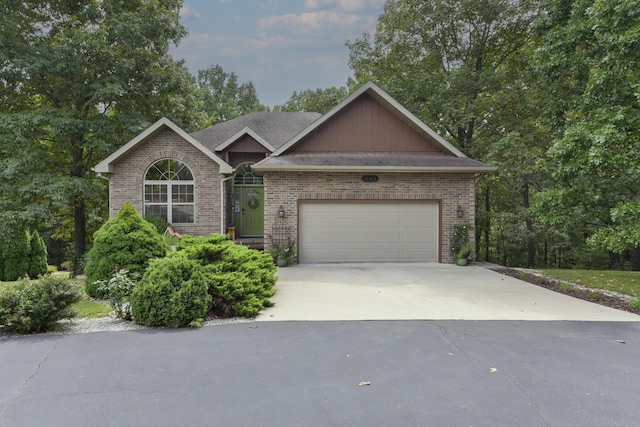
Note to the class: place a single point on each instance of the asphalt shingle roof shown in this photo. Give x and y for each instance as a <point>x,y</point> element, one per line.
<point>427,160</point>
<point>274,127</point>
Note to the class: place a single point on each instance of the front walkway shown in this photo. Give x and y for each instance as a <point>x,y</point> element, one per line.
<point>426,291</point>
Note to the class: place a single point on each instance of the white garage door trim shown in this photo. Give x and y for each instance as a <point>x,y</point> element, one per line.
<point>368,231</point>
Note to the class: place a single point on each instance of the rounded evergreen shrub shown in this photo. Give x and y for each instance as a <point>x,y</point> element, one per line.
<point>32,306</point>
<point>38,259</point>
<point>172,293</point>
<point>16,257</point>
<point>127,242</point>
<point>240,279</point>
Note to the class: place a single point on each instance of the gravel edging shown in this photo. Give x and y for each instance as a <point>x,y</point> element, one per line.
<point>108,324</point>
<point>603,297</point>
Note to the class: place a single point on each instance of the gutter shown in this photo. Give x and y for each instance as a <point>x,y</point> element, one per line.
<point>479,169</point>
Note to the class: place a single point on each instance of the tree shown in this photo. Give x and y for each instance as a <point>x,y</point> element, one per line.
<point>440,58</point>
<point>319,101</point>
<point>590,54</point>
<point>461,67</point>
<point>126,242</point>
<point>38,256</point>
<point>222,98</point>
<point>78,79</point>
<point>16,256</point>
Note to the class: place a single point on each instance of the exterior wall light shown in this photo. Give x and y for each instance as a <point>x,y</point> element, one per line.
<point>281,212</point>
<point>459,212</point>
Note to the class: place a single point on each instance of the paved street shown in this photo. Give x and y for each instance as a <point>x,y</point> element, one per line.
<point>421,373</point>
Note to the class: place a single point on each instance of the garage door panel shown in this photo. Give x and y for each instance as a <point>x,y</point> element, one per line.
<point>347,231</point>
<point>388,237</point>
<point>385,222</point>
<point>351,237</point>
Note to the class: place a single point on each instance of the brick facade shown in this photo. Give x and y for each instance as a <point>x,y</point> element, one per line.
<point>127,180</point>
<point>449,189</point>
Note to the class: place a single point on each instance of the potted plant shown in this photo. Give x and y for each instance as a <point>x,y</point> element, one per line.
<point>462,248</point>
<point>283,252</point>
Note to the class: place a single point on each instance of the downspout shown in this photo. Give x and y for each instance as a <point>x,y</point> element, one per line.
<point>222,205</point>
<point>106,178</point>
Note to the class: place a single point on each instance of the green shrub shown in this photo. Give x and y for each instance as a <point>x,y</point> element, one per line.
<point>16,257</point>
<point>119,289</point>
<point>240,280</point>
<point>38,257</point>
<point>158,222</point>
<point>124,242</point>
<point>172,293</point>
<point>35,305</point>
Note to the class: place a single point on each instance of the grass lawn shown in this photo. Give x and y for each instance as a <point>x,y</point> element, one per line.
<point>88,308</point>
<point>624,282</point>
<point>84,308</point>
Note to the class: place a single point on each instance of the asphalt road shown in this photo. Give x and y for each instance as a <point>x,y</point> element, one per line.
<point>421,373</point>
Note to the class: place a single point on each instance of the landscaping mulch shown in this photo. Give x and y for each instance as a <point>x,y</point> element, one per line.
<point>606,298</point>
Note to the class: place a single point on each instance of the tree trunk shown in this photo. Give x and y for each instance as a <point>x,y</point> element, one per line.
<point>487,226</point>
<point>635,259</point>
<point>531,244</point>
<point>78,205</point>
<point>80,234</point>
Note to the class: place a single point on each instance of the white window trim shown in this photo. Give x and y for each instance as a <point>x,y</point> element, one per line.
<point>169,183</point>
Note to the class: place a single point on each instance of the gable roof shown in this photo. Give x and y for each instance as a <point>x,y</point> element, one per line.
<point>245,131</point>
<point>273,129</point>
<point>448,159</point>
<point>105,166</point>
<point>391,104</point>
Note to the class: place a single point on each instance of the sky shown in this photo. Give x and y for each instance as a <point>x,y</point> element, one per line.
<point>281,46</point>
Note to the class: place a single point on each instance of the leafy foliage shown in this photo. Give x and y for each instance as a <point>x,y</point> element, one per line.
<point>124,242</point>
<point>589,53</point>
<point>172,293</point>
<point>461,247</point>
<point>16,256</point>
<point>240,280</point>
<point>158,222</point>
<point>79,79</point>
<point>441,58</point>
<point>223,98</point>
<point>319,101</point>
<point>33,306</point>
<point>38,257</point>
<point>118,290</point>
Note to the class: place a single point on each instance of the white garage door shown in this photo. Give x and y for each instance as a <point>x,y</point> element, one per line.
<point>392,231</point>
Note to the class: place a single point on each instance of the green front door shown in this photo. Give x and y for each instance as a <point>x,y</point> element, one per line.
<point>249,210</point>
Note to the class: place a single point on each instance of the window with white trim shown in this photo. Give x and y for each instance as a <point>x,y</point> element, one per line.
<point>169,191</point>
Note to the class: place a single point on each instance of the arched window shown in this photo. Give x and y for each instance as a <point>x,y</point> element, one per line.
<point>168,191</point>
<point>246,175</point>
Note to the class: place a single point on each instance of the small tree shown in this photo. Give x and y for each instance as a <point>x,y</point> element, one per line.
<point>119,289</point>
<point>462,248</point>
<point>124,242</point>
<point>16,257</point>
<point>38,258</point>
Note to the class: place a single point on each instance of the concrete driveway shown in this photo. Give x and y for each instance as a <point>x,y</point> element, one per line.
<point>427,291</point>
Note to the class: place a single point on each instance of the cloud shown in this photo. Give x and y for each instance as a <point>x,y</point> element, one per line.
<point>308,22</point>
<point>187,12</point>
<point>344,5</point>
